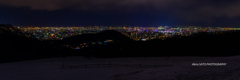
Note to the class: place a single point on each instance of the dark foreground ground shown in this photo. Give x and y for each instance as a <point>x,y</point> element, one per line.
<point>176,68</point>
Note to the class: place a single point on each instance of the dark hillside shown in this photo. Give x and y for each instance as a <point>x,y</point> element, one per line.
<point>202,44</point>
<point>101,36</point>
<point>16,47</point>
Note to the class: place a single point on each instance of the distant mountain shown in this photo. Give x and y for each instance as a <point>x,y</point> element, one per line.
<point>202,44</point>
<point>101,36</point>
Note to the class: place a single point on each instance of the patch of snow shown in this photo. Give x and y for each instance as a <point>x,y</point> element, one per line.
<point>180,69</point>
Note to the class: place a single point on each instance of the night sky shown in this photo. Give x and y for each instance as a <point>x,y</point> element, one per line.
<point>120,12</point>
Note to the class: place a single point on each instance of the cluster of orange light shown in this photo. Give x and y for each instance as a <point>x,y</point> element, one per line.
<point>109,40</point>
<point>161,36</point>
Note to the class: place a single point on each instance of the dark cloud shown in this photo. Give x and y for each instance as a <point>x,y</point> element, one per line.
<point>190,10</point>
<point>210,11</point>
<point>92,4</point>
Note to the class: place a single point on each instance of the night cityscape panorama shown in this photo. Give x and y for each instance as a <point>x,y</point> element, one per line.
<point>119,40</point>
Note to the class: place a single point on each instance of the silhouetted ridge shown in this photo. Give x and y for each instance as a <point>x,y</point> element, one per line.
<point>16,47</point>
<point>202,44</point>
<point>101,36</point>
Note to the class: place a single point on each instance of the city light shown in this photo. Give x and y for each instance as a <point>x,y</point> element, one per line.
<point>134,33</point>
